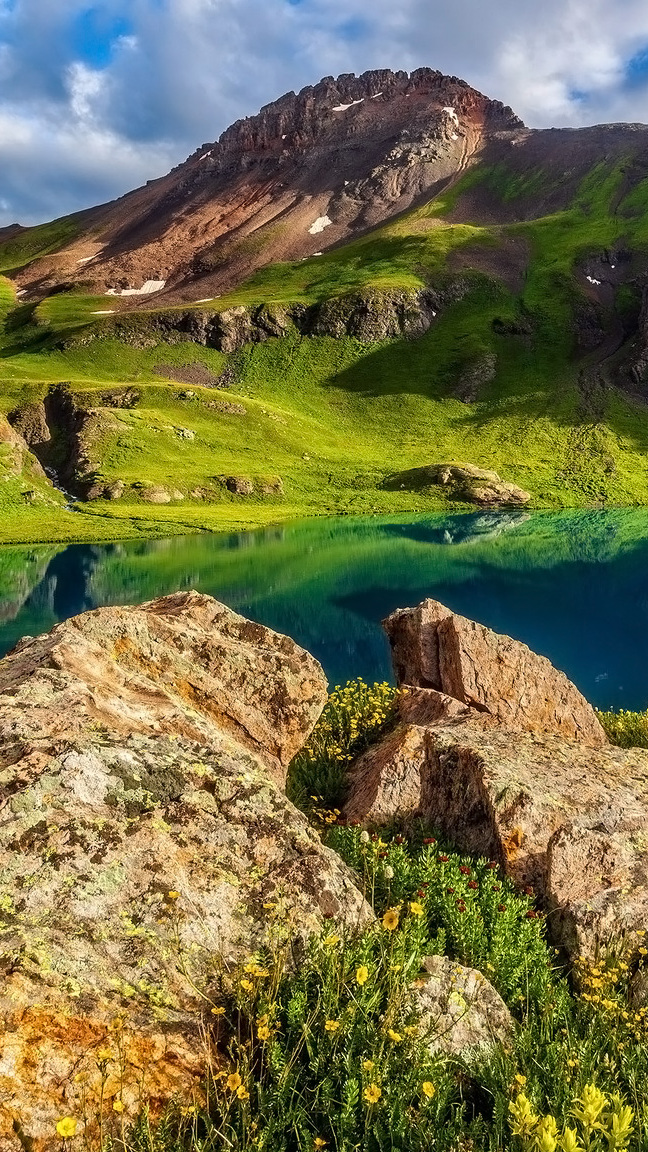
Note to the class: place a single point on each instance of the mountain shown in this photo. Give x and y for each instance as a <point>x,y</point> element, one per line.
<point>366,280</point>
<point>308,172</point>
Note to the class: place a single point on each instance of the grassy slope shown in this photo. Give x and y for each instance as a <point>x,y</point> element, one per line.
<point>334,417</point>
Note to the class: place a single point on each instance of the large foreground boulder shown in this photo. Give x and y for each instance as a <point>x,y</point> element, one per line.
<point>145,843</point>
<point>184,665</point>
<point>434,648</point>
<point>504,757</point>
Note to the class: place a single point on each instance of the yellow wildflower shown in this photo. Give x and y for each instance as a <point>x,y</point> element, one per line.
<point>331,941</point>
<point>415,908</point>
<point>428,1089</point>
<point>390,919</point>
<point>173,895</point>
<point>263,1032</point>
<point>104,1054</point>
<point>525,1120</point>
<point>372,1094</point>
<point>234,1081</point>
<point>242,1093</point>
<point>219,1011</point>
<point>362,975</point>
<point>247,985</point>
<point>367,1065</point>
<point>67,1127</point>
<point>332,1025</point>
<point>319,1143</point>
<point>118,1106</point>
<point>395,1037</point>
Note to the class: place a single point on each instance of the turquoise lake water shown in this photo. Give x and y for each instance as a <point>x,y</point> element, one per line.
<point>572,585</point>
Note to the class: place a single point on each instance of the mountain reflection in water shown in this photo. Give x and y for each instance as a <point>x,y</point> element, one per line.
<point>572,585</point>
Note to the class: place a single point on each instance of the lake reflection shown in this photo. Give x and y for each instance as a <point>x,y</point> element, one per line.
<point>572,585</point>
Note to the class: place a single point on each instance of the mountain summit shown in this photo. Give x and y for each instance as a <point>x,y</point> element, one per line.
<point>310,171</point>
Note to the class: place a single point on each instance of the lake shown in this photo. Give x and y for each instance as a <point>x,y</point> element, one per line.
<point>572,585</point>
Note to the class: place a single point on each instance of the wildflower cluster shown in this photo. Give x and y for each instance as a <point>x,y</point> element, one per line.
<point>333,1052</point>
<point>626,729</point>
<point>354,717</point>
<point>465,909</point>
<point>599,1124</point>
<point>605,985</point>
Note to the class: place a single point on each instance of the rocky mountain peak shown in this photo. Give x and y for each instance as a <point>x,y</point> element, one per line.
<point>349,104</point>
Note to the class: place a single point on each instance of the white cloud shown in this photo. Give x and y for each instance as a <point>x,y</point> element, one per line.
<point>75,130</point>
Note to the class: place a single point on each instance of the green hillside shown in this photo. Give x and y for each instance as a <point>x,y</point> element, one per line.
<point>319,424</point>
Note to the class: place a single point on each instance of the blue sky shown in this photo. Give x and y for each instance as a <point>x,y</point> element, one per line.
<point>97,98</point>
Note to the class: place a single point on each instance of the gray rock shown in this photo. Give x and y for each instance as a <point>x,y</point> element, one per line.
<point>460,1010</point>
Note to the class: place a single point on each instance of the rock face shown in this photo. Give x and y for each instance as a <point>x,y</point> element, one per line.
<point>467,483</point>
<point>434,648</point>
<point>370,316</point>
<point>462,1009</point>
<point>144,842</point>
<point>503,756</point>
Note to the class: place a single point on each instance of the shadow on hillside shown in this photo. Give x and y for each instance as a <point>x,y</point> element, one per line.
<point>410,368</point>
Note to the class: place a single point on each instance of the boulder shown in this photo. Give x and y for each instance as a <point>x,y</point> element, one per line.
<point>155,495</point>
<point>184,665</point>
<point>464,482</point>
<point>145,842</point>
<point>239,485</point>
<point>462,1012</point>
<point>496,676</point>
<point>559,816</point>
<point>503,756</point>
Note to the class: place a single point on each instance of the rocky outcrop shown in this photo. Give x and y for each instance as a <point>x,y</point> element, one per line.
<point>370,316</point>
<point>500,753</point>
<point>463,482</point>
<point>31,423</point>
<point>499,678</point>
<point>460,1008</point>
<point>145,842</point>
<point>21,470</point>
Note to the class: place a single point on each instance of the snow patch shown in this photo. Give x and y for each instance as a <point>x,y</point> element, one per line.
<point>104,312</point>
<point>377,95</point>
<point>86,260</point>
<point>206,300</point>
<point>147,289</point>
<point>452,114</point>
<point>320,224</point>
<point>205,156</point>
<point>345,107</point>
<point>285,135</point>
<point>593,281</point>
<point>21,292</point>
<point>454,136</point>
<point>318,253</point>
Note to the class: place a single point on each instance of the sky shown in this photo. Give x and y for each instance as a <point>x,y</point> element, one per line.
<point>97,98</point>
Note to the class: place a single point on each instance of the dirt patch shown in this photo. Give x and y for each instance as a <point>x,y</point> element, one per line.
<point>189,374</point>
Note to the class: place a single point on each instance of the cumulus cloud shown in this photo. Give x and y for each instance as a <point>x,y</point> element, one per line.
<point>96,98</point>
